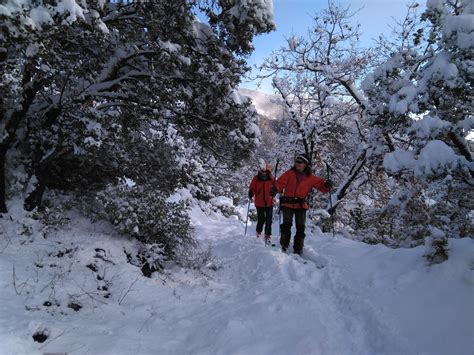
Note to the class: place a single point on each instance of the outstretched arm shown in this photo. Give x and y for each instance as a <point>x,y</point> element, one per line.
<point>320,184</point>
<point>282,181</point>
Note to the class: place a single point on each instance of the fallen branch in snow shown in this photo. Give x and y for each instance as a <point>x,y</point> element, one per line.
<point>91,296</point>
<point>121,298</point>
<point>14,281</point>
<point>8,238</point>
<point>22,285</point>
<point>52,339</point>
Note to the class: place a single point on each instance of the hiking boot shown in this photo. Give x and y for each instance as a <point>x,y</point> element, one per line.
<point>283,249</point>
<point>258,235</point>
<point>299,252</point>
<point>267,240</point>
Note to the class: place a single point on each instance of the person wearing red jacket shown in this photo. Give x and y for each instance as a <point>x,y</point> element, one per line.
<point>296,184</point>
<point>260,189</point>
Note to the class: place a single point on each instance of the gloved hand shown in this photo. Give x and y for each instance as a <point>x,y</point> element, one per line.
<point>273,191</point>
<point>329,184</point>
<point>250,194</point>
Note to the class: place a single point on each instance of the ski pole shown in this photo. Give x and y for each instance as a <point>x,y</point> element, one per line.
<point>274,182</point>
<point>276,170</point>
<point>330,200</point>
<point>247,219</point>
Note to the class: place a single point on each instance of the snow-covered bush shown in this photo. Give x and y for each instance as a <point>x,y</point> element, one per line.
<point>148,257</point>
<point>199,259</point>
<point>405,220</point>
<point>143,212</point>
<point>436,247</point>
<point>52,218</point>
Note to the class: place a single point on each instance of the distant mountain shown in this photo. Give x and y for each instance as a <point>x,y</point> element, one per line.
<point>267,105</point>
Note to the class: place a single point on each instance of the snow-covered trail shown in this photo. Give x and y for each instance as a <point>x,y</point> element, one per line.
<point>273,302</point>
<point>365,300</point>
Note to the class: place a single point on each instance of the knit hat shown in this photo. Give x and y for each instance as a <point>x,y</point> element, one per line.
<point>263,166</point>
<point>303,157</point>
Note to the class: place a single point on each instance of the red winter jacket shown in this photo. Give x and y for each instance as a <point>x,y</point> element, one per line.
<point>261,190</point>
<point>300,189</point>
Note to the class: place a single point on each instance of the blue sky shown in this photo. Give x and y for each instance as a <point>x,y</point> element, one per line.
<point>294,17</point>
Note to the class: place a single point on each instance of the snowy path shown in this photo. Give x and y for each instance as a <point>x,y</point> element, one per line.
<point>365,300</point>
<point>292,307</point>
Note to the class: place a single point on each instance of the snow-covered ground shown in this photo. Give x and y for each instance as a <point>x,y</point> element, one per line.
<point>344,297</point>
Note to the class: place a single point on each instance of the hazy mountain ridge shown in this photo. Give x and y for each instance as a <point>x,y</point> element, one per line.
<point>266,104</point>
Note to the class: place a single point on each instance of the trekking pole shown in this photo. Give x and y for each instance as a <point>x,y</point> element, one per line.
<point>330,200</point>
<point>247,219</point>
<point>276,171</point>
<point>274,181</point>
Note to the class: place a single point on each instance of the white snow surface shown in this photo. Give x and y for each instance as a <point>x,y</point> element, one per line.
<point>251,299</point>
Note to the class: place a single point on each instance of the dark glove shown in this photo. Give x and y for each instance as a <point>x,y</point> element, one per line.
<point>273,191</point>
<point>250,194</point>
<point>329,184</point>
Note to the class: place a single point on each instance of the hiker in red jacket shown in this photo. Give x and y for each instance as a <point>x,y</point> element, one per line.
<point>297,184</point>
<point>260,189</point>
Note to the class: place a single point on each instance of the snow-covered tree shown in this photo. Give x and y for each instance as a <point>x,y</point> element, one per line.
<point>317,77</point>
<point>405,134</point>
<point>96,92</point>
<point>77,76</point>
<point>421,98</point>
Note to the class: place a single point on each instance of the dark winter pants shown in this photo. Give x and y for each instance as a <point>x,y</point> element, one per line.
<point>300,219</point>
<point>264,216</point>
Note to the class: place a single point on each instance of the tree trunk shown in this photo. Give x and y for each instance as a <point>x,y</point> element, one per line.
<point>30,88</point>
<point>3,205</point>
<point>35,197</point>
<point>343,188</point>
